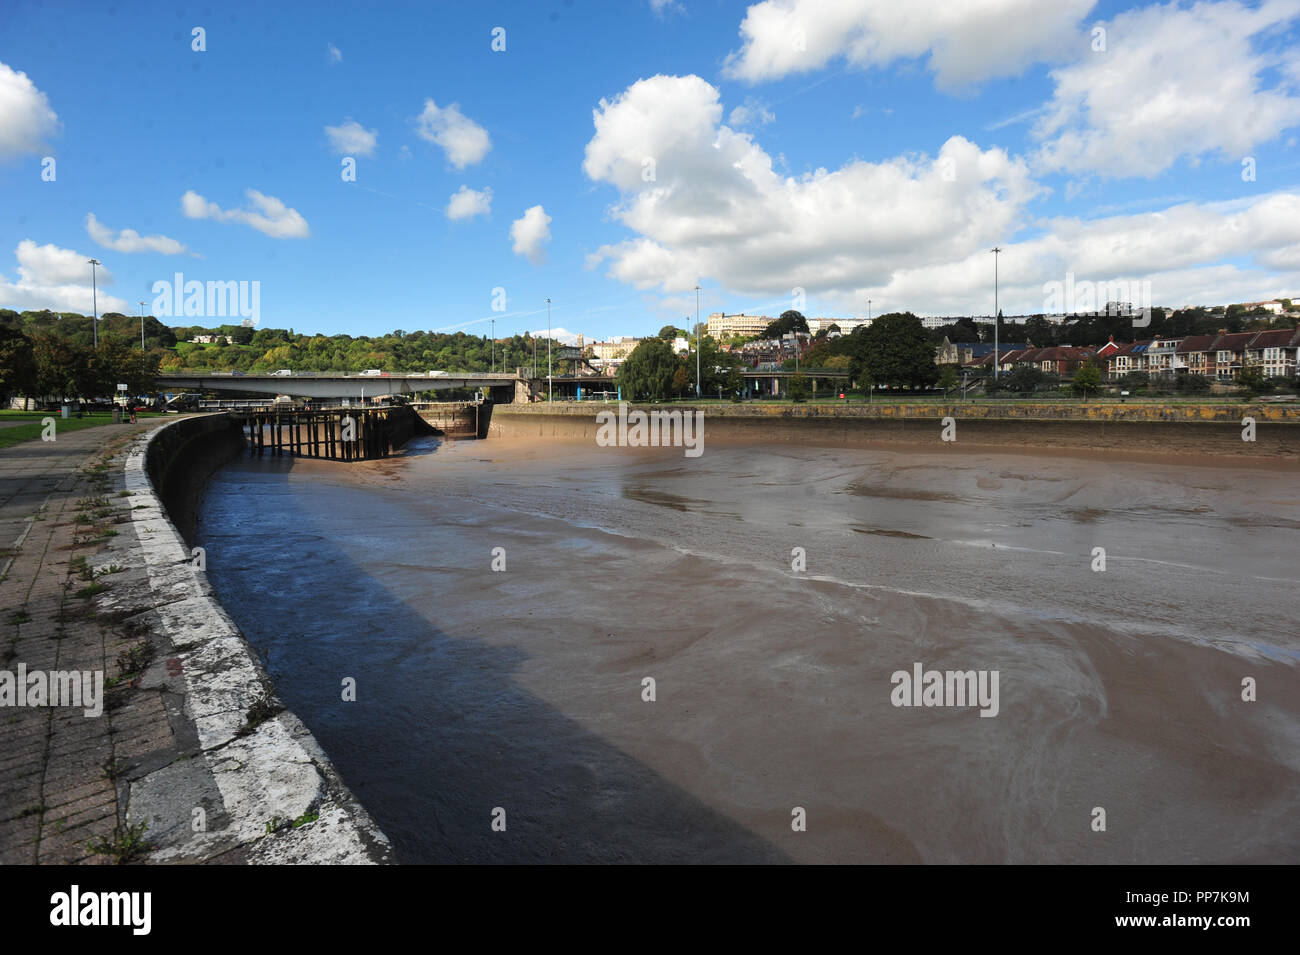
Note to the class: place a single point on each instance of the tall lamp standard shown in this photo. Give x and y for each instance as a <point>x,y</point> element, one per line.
<point>697,343</point>
<point>94,292</point>
<point>141,326</point>
<point>548,350</point>
<point>494,346</point>
<point>995,250</point>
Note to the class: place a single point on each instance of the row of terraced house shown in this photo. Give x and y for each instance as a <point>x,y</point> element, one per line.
<point>1219,357</point>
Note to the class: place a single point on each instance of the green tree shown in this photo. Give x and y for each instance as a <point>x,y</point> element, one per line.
<point>1023,379</point>
<point>1039,332</point>
<point>733,384</point>
<point>798,387</point>
<point>648,371</point>
<point>948,379</point>
<point>1252,381</point>
<point>669,332</point>
<point>17,363</point>
<point>62,367</point>
<point>790,321</point>
<point>715,366</point>
<point>899,352</point>
<point>1087,378</point>
<point>1192,384</point>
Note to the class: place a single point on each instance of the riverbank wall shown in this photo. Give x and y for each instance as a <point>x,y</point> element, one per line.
<point>235,778</point>
<point>1141,429</point>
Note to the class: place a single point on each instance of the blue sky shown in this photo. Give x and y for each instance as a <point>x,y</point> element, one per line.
<point>845,148</point>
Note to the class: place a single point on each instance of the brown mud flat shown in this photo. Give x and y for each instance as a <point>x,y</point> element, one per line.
<point>1120,690</point>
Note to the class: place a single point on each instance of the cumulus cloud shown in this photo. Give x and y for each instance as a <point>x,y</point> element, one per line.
<point>751,113</point>
<point>661,8</point>
<point>1184,251</point>
<point>964,43</point>
<point>334,53</point>
<point>717,208</point>
<point>464,141</point>
<point>531,233</point>
<point>128,240</point>
<point>352,139</point>
<point>911,232</point>
<point>1134,109</point>
<point>466,203</point>
<point>267,214</point>
<point>56,278</point>
<point>26,119</point>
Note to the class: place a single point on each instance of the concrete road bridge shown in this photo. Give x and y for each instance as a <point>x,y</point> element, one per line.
<point>501,386</point>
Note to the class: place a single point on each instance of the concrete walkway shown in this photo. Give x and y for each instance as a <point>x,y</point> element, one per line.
<point>186,755</point>
<point>58,767</point>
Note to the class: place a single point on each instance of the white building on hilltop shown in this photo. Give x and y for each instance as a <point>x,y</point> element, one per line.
<point>845,325</point>
<point>721,325</point>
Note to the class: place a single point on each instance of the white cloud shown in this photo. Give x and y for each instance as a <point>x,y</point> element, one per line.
<point>966,42</point>
<point>25,115</point>
<point>718,209</point>
<point>751,113</point>
<point>1184,252</point>
<point>531,233</point>
<point>1153,96</point>
<point>56,278</point>
<point>352,139</point>
<point>335,54</point>
<point>464,141</point>
<point>661,8</point>
<point>911,232</point>
<point>128,240</point>
<point>466,203</point>
<point>51,265</point>
<point>268,214</point>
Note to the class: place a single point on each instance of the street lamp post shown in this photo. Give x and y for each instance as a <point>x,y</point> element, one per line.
<point>548,351</point>
<point>494,346</point>
<point>995,250</point>
<point>94,292</point>
<point>697,343</point>
<point>141,326</point>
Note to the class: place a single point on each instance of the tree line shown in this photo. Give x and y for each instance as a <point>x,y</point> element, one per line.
<point>1037,332</point>
<point>52,354</point>
<point>895,350</point>
<point>46,365</point>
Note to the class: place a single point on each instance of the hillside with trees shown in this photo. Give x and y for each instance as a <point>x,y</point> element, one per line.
<point>62,360</point>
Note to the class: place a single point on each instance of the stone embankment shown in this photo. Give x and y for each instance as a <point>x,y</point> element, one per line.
<point>1131,428</point>
<point>193,757</point>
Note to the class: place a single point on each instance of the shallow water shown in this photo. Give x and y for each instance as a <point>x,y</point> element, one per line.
<point>523,689</point>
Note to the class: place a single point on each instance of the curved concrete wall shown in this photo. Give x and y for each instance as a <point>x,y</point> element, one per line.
<point>251,766</point>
